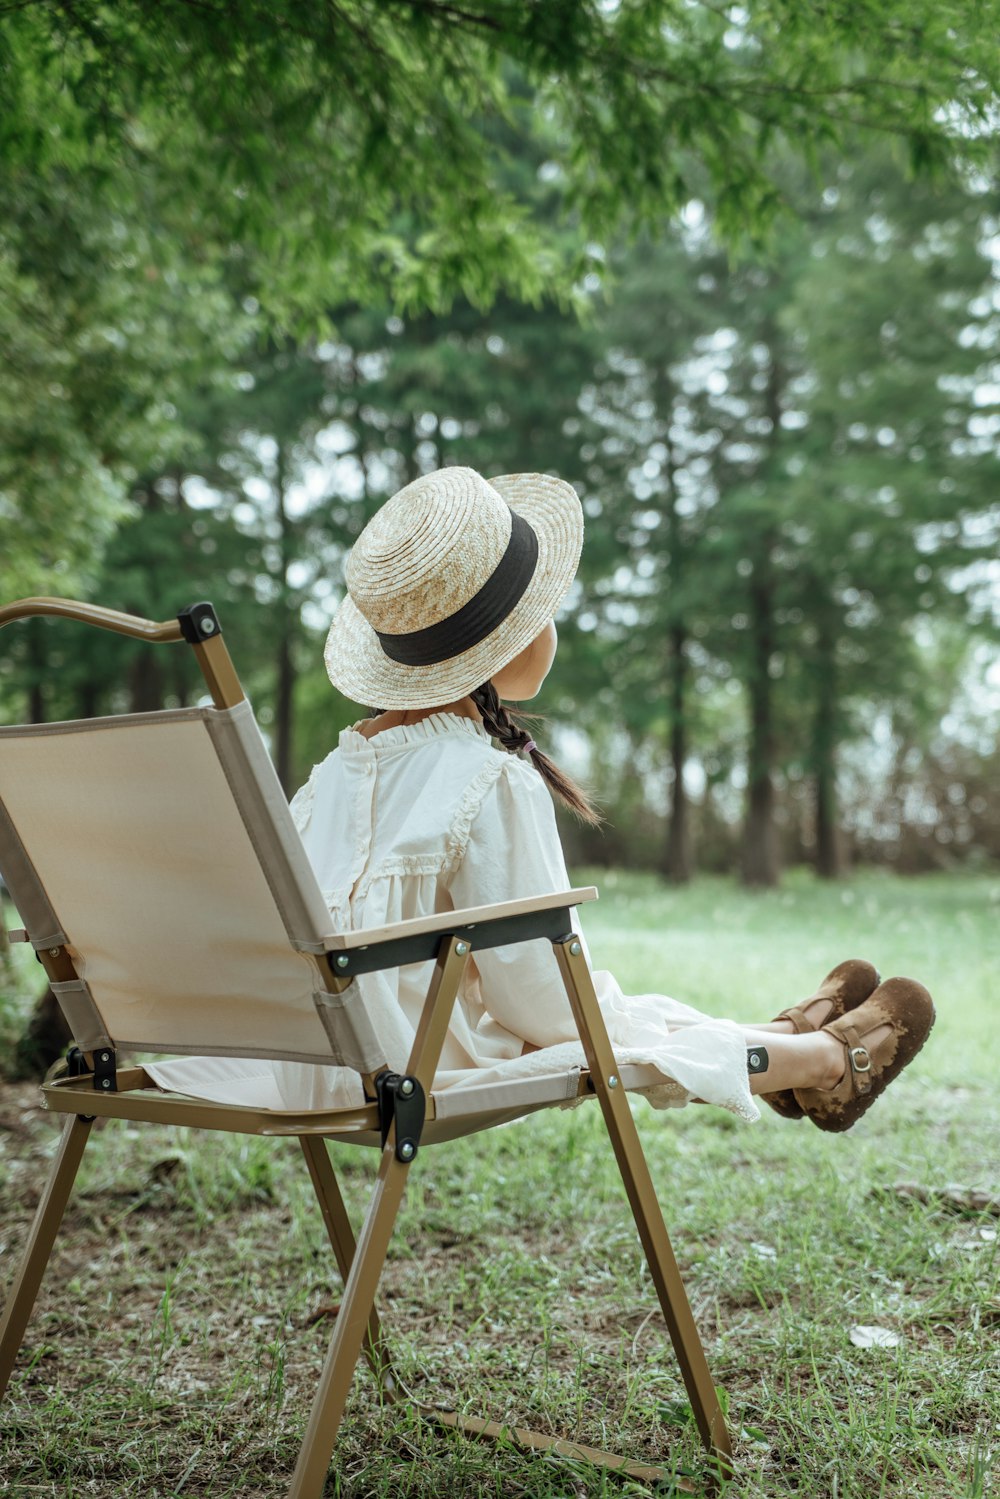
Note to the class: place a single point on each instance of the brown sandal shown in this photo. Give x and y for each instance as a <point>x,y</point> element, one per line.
<point>845,986</point>
<point>903,1005</point>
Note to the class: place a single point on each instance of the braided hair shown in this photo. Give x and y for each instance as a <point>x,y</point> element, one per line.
<point>505,726</point>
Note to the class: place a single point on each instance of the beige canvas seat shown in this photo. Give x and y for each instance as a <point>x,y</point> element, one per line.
<point>160,879</point>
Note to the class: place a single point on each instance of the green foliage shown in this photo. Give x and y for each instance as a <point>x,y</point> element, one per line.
<point>809,420</point>
<point>106,325</point>
<point>361,148</point>
<point>796,475</point>
<point>58,500</point>
<point>182,190</point>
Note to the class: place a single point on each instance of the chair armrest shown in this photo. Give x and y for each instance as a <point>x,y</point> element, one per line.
<point>417,940</point>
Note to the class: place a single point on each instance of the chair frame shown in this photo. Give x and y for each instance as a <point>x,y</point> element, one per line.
<point>102,1089</point>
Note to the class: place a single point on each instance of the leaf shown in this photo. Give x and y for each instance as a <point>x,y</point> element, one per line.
<point>755,1434</point>
<point>875,1337</point>
<point>953,1198</point>
<point>327,1310</point>
<point>674,1412</point>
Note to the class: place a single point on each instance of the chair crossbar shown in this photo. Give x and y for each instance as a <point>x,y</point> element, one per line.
<point>422,947</point>
<point>137,1098</point>
<point>540,1441</point>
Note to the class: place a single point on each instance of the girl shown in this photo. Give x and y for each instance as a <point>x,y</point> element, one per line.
<point>439,801</point>
<point>452,589</point>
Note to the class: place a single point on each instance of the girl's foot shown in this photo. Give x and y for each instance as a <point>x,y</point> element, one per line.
<point>844,987</point>
<point>878,1039</point>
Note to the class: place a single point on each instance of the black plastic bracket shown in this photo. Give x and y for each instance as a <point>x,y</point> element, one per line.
<point>401,1098</point>
<point>76,1063</point>
<point>104,1070</point>
<point>423,947</point>
<point>199,622</point>
<point>757,1059</point>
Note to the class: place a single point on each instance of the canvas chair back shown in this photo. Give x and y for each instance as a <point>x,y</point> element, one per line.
<point>164,859</point>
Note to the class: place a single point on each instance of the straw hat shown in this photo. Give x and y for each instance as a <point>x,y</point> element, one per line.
<point>449,581</point>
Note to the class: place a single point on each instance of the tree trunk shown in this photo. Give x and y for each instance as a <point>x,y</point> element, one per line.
<point>830,859</point>
<point>760,843</point>
<point>408,448</point>
<point>35,629</point>
<point>46,1033</point>
<point>146,681</point>
<point>285,688</point>
<point>678,850</point>
<point>7,976</point>
<point>284,698</point>
<point>760,839</point>
<point>42,1041</point>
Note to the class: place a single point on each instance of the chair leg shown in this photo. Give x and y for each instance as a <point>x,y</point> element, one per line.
<point>341,1234</point>
<point>644,1202</point>
<point>353,1322</point>
<point>40,1241</point>
<point>354,1317</point>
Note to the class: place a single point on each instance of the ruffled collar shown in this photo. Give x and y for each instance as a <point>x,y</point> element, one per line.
<point>431,727</point>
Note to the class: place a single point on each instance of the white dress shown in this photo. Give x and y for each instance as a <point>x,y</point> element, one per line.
<point>430,817</point>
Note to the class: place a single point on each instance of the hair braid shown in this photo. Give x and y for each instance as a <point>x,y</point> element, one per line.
<point>504,725</point>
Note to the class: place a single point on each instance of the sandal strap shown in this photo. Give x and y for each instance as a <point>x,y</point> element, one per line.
<point>800,1021</point>
<point>858,1058</point>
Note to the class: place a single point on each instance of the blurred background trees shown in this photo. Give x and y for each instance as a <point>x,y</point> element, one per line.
<point>732,272</point>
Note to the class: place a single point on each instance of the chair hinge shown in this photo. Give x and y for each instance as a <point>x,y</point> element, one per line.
<point>104,1070</point>
<point>199,622</point>
<point>401,1098</point>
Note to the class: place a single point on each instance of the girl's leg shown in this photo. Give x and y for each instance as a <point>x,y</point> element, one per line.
<point>818,1011</point>
<point>816,1060</point>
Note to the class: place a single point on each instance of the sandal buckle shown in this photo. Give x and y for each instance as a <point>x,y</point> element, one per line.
<point>860,1060</point>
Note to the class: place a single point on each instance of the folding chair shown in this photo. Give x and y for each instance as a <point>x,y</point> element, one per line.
<point>154,863</point>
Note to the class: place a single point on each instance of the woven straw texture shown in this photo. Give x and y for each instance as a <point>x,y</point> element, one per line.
<point>423,556</point>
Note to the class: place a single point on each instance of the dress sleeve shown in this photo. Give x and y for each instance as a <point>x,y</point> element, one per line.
<point>513,851</point>
<point>301,805</point>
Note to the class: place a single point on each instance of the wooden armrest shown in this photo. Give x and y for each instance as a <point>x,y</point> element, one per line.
<point>445,922</point>
<point>418,940</point>
<point>93,614</point>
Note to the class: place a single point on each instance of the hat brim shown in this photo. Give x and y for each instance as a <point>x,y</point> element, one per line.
<point>359,668</point>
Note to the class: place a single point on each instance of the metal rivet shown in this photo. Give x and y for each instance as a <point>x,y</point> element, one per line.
<point>612,1081</point>
<point>754,1059</point>
<point>406,1150</point>
<point>54,952</point>
<point>207,625</point>
<point>105,1056</point>
<point>343,960</point>
<point>461,948</point>
<point>105,1082</point>
<point>406,1087</point>
<point>574,948</point>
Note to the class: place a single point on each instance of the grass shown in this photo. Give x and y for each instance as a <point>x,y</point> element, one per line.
<point>180,1329</point>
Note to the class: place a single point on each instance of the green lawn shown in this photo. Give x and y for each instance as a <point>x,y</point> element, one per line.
<point>179,1333</point>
